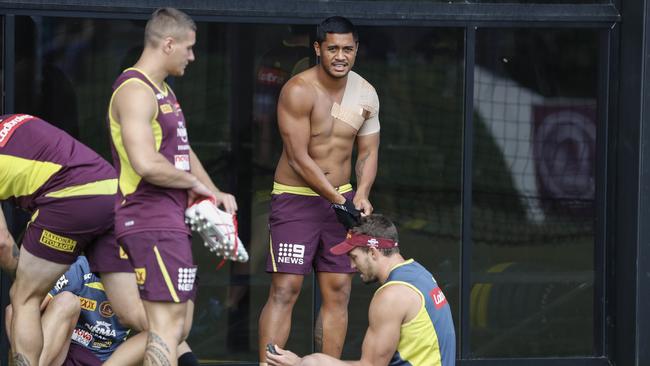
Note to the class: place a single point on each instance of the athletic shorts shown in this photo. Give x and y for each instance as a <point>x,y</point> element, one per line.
<point>81,356</point>
<point>108,258</point>
<point>60,230</point>
<point>163,264</point>
<point>303,227</point>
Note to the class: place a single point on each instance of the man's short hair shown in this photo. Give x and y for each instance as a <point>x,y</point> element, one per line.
<point>167,22</point>
<point>380,226</point>
<point>336,25</point>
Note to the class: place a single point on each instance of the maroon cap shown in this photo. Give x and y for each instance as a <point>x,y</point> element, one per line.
<point>353,240</point>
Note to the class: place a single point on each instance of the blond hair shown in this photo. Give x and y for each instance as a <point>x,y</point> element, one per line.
<point>167,22</point>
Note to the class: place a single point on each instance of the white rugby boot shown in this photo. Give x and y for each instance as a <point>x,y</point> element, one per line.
<point>218,230</point>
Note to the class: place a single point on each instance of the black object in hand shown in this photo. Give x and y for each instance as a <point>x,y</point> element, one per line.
<point>271,348</point>
<point>347,214</point>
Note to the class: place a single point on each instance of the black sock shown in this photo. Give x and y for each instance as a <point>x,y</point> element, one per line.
<point>188,359</point>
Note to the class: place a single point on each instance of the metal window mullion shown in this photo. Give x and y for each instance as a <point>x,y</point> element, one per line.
<point>466,194</point>
<point>8,58</point>
<point>600,198</point>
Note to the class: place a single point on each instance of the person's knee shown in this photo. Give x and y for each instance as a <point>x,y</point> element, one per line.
<point>6,244</point>
<point>9,253</point>
<point>172,325</point>
<point>284,294</point>
<point>173,328</point>
<point>187,326</point>
<point>134,320</point>
<point>311,360</point>
<point>24,290</point>
<point>66,305</point>
<point>336,300</point>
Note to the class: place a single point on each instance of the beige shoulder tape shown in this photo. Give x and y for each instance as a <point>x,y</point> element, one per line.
<point>359,107</point>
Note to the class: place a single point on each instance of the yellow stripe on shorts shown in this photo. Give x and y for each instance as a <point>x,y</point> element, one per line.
<point>168,280</point>
<point>275,268</point>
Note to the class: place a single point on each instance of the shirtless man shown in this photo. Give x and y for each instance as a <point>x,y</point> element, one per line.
<point>159,175</point>
<point>321,112</point>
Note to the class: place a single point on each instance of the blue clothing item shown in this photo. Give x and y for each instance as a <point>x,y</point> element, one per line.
<point>97,328</point>
<point>429,338</point>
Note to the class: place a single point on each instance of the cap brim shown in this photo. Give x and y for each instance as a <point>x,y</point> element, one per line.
<point>341,248</point>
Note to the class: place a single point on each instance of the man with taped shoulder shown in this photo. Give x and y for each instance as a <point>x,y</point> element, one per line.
<point>409,319</point>
<point>69,191</point>
<point>322,111</point>
<point>159,175</point>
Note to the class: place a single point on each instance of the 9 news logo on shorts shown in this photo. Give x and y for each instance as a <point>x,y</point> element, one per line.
<point>291,253</point>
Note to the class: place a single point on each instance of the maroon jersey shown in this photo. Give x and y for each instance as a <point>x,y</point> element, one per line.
<point>40,163</point>
<point>142,206</point>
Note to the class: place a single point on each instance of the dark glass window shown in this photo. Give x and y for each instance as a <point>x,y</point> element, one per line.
<point>533,209</point>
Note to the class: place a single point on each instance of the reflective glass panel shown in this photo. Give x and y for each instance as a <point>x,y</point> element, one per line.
<point>533,212</point>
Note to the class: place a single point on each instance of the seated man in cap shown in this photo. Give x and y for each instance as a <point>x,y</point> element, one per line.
<point>410,321</point>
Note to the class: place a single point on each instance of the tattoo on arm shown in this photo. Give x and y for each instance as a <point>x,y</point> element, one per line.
<point>157,353</point>
<point>318,334</point>
<point>15,251</point>
<point>361,163</point>
<point>20,360</point>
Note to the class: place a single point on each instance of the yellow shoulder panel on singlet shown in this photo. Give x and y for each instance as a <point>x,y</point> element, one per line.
<point>164,92</point>
<point>418,341</point>
<point>22,177</point>
<point>96,285</point>
<point>129,179</point>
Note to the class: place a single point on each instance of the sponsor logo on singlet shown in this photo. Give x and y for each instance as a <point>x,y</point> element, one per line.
<point>181,131</point>
<point>439,299</point>
<point>291,253</point>
<point>101,329</point>
<point>182,162</point>
<point>81,336</point>
<point>88,304</point>
<point>106,309</point>
<point>9,126</point>
<point>102,344</point>
<point>166,108</point>
<point>61,282</point>
<point>58,242</point>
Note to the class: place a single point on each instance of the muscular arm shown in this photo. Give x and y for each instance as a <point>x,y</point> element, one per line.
<point>228,200</point>
<point>134,108</point>
<point>366,170</point>
<point>8,249</point>
<point>294,109</point>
